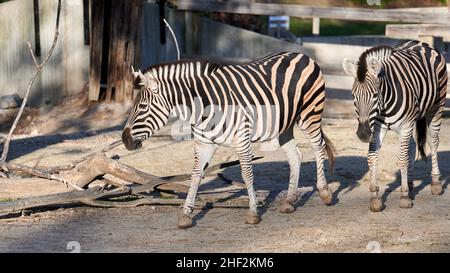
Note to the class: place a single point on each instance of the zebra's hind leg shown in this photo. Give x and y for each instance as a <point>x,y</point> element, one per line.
<point>318,144</point>
<point>404,164</point>
<point>433,143</point>
<point>289,146</point>
<point>203,153</point>
<point>379,133</point>
<point>244,151</point>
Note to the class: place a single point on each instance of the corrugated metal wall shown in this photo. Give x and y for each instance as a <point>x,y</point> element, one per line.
<point>66,72</point>
<point>153,51</point>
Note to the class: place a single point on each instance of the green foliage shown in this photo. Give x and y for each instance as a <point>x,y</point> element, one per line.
<point>329,27</point>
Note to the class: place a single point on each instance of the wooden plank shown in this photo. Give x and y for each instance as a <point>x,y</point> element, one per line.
<point>316,26</point>
<point>358,14</point>
<point>413,31</point>
<point>97,14</point>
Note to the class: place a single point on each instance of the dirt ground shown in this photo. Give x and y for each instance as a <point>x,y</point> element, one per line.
<point>346,226</point>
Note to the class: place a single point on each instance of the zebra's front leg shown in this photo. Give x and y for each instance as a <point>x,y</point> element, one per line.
<point>289,146</point>
<point>404,164</point>
<point>379,133</point>
<point>433,143</point>
<point>203,153</point>
<point>244,151</point>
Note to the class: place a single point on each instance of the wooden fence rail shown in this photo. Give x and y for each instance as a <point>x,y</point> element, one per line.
<point>422,15</point>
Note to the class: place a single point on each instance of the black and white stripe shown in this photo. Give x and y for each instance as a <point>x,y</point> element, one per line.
<point>236,104</point>
<point>399,88</point>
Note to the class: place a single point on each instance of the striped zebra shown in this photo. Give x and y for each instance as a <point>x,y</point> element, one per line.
<point>235,105</point>
<point>399,88</point>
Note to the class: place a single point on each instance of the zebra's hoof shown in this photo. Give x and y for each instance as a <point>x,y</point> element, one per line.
<point>252,219</point>
<point>375,204</point>
<point>184,221</point>
<point>405,202</point>
<point>286,207</point>
<point>436,189</point>
<point>326,196</point>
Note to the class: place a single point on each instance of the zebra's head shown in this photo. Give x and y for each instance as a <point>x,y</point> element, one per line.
<point>366,92</point>
<point>150,111</point>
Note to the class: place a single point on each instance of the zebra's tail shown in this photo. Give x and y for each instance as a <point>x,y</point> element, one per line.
<point>421,136</point>
<point>331,151</point>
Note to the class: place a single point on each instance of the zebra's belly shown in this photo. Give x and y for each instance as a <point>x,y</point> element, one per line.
<point>228,139</point>
<point>258,131</point>
<point>262,123</point>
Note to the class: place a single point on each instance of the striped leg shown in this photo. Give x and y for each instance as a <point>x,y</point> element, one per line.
<point>203,153</point>
<point>244,151</point>
<point>404,164</point>
<point>318,144</point>
<point>433,143</point>
<point>289,146</point>
<point>379,132</point>
<point>412,161</point>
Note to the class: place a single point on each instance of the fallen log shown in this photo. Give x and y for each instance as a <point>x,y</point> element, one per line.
<point>94,169</point>
<point>65,198</point>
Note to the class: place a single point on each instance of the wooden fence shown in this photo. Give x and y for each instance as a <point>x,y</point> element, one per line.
<point>422,15</point>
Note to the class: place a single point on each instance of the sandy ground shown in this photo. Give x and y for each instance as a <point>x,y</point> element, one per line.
<point>346,226</point>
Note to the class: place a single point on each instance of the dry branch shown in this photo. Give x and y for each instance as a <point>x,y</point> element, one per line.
<point>39,68</point>
<point>72,197</point>
<point>97,166</point>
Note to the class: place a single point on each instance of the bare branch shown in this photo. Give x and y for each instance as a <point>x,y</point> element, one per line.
<point>30,84</point>
<point>32,55</point>
<point>174,38</point>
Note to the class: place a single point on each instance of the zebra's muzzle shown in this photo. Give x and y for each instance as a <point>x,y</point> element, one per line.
<point>128,141</point>
<point>364,132</point>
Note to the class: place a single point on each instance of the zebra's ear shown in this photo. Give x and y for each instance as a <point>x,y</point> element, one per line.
<point>349,67</point>
<point>374,66</point>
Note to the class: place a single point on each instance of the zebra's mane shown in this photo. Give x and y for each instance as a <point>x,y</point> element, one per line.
<point>210,65</point>
<point>381,52</point>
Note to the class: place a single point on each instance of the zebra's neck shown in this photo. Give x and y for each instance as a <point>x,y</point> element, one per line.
<point>178,83</point>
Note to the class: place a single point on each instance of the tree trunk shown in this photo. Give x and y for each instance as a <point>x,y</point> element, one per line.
<point>115,47</point>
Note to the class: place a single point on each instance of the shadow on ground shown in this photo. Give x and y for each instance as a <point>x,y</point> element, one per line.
<point>274,177</point>
<point>23,146</point>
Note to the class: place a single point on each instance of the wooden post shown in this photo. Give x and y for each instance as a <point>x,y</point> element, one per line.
<point>434,41</point>
<point>97,9</point>
<point>119,42</point>
<point>316,26</point>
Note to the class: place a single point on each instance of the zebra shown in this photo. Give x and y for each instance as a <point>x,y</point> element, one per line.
<point>399,88</point>
<point>235,105</point>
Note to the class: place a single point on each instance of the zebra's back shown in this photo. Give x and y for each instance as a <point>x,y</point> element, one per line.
<point>272,93</point>
<point>416,80</point>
